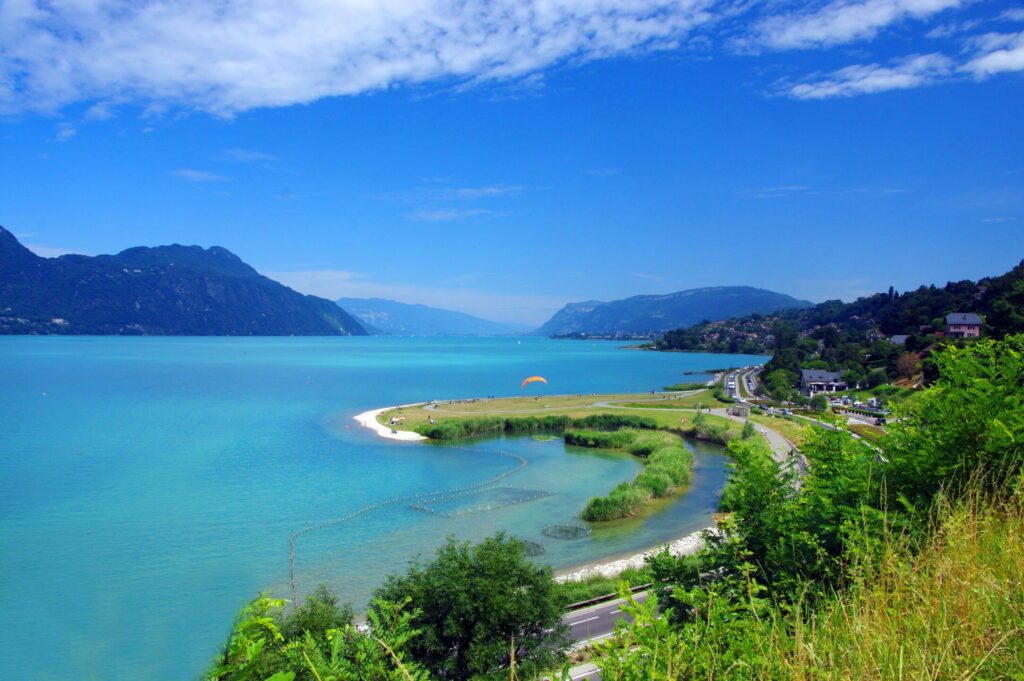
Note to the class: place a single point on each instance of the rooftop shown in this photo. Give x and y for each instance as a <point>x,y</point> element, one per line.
<point>963,318</point>
<point>819,376</point>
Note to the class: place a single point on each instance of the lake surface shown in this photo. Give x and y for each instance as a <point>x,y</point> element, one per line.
<point>150,484</point>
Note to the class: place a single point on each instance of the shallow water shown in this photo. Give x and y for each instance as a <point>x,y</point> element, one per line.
<point>151,484</point>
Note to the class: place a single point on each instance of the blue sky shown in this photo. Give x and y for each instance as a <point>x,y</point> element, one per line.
<point>504,158</point>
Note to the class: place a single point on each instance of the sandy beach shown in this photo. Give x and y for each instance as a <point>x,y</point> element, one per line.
<point>691,543</point>
<point>368,419</point>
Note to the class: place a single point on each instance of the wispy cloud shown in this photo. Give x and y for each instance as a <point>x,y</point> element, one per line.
<point>1001,218</point>
<point>774,192</point>
<point>841,21</point>
<point>65,131</point>
<point>193,175</point>
<point>246,156</point>
<point>996,53</point>
<point>857,79</point>
<point>483,192</point>
<point>802,190</point>
<point>228,57</point>
<point>445,214</point>
<point>233,56</point>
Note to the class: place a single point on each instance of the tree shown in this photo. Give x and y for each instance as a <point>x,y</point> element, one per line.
<point>819,402</point>
<point>266,645</point>
<point>970,423</point>
<point>474,603</point>
<point>318,614</point>
<point>877,377</point>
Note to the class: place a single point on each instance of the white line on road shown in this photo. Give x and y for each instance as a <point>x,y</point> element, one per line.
<point>589,619</point>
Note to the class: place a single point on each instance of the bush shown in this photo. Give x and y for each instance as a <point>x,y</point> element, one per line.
<point>473,601</point>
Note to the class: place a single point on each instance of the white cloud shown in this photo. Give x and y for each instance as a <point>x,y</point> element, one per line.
<point>776,192</point>
<point>334,284</point>
<point>246,156</point>
<point>997,53</point>
<point>842,21</point>
<point>445,214</point>
<point>231,56</point>
<point>65,131</point>
<point>857,79</point>
<point>193,175</point>
<point>485,192</point>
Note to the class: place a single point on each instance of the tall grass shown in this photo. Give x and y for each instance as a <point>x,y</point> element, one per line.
<point>668,464</point>
<point>950,606</point>
<point>461,429</point>
<point>953,611</point>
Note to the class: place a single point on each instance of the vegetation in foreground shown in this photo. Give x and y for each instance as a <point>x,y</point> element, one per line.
<point>950,608</point>
<point>900,565</point>
<point>904,564</point>
<point>474,612</point>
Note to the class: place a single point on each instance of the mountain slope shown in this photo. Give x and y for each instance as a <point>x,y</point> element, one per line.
<point>404,319</point>
<point>653,314</point>
<point>166,290</point>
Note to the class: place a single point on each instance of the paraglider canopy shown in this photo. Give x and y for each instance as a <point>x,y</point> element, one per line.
<point>532,379</point>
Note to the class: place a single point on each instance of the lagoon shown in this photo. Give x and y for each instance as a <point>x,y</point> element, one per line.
<point>151,484</point>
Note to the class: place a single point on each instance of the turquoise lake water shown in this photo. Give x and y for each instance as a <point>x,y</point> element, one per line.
<point>150,484</point>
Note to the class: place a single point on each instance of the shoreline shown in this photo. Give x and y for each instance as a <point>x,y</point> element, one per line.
<point>368,419</point>
<point>682,546</point>
<point>609,566</point>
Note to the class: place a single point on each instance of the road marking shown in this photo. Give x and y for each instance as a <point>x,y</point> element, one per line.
<point>589,619</point>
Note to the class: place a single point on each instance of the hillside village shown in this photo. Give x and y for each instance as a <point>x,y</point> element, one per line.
<point>880,340</point>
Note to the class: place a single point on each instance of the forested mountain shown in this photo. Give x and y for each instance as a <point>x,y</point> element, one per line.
<point>642,316</point>
<point>921,312</point>
<point>166,290</point>
<point>404,319</point>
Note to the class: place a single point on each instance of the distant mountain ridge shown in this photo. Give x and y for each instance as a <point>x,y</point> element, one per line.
<point>163,290</point>
<point>649,315</point>
<point>406,319</point>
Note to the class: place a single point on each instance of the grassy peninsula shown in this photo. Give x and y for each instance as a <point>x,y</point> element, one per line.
<point>644,425</point>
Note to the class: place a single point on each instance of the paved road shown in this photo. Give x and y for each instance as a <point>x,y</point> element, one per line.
<point>598,621</point>
<point>592,624</point>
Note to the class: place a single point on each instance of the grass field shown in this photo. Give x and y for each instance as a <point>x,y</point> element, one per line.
<point>794,431</point>
<point>574,406</point>
<point>872,434</point>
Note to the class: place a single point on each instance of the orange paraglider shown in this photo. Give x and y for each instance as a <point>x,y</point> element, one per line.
<point>533,379</point>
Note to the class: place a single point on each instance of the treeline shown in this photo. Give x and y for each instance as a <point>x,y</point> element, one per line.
<point>667,467</point>
<point>463,428</point>
<point>918,313</point>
